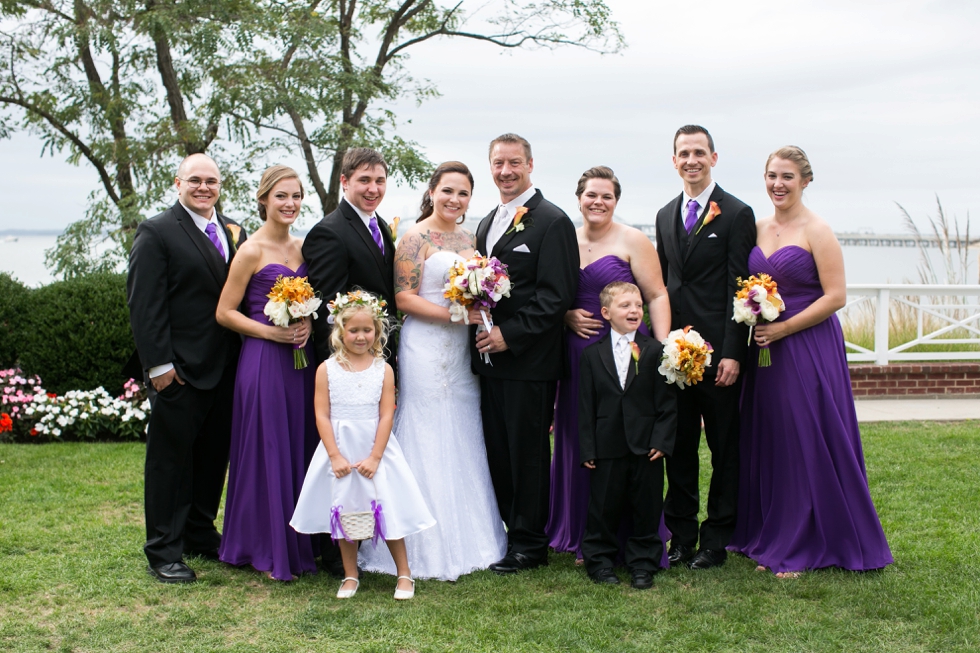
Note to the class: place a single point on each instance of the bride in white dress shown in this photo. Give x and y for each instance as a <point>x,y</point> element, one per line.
<point>437,421</point>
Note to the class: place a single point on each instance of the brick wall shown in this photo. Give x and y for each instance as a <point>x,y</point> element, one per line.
<point>914,379</point>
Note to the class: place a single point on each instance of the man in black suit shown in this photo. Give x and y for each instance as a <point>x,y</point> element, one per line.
<point>177,268</point>
<point>525,347</point>
<point>627,416</point>
<point>704,237</point>
<point>352,247</point>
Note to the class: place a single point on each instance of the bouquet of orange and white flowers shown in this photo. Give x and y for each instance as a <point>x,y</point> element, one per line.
<point>686,355</point>
<point>482,281</point>
<point>290,300</point>
<point>758,299</point>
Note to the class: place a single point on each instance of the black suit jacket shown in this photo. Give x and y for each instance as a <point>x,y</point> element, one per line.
<point>545,279</point>
<point>341,255</point>
<point>175,279</point>
<point>701,278</point>
<point>615,422</point>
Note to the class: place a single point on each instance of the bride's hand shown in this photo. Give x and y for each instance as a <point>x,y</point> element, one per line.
<point>581,322</point>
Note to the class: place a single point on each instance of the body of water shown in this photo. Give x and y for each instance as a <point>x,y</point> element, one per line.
<point>24,258</point>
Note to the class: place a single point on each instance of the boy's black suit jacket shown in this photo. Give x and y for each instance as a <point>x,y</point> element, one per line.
<point>614,421</point>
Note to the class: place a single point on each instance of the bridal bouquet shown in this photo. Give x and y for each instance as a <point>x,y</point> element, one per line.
<point>686,355</point>
<point>482,281</point>
<point>758,298</point>
<point>290,300</point>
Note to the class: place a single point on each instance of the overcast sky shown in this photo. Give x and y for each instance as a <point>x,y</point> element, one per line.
<point>883,95</point>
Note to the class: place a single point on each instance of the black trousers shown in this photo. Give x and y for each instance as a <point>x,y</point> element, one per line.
<point>719,407</point>
<point>187,447</point>
<point>617,485</point>
<point>517,417</point>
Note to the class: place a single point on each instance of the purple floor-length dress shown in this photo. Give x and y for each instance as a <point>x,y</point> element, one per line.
<point>273,436</point>
<point>803,498</point>
<point>569,480</point>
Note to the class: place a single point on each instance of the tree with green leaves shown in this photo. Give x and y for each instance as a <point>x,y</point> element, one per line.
<point>130,87</point>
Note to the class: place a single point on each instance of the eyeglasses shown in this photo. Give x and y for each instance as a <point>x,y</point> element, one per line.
<point>194,182</point>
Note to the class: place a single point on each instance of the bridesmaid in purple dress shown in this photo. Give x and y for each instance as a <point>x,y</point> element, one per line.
<point>609,252</point>
<point>273,432</point>
<point>803,498</point>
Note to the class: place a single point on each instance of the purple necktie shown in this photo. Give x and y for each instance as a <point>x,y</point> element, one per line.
<point>212,233</point>
<point>376,234</point>
<point>692,215</point>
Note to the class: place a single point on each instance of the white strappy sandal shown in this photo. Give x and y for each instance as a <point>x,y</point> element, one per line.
<point>346,594</point>
<point>402,595</point>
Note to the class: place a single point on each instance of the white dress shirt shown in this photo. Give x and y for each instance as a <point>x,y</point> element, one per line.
<point>201,223</point>
<point>505,215</point>
<point>622,353</point>
<point>701,199</point>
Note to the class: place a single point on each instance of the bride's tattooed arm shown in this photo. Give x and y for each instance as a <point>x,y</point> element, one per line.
<point>409,257</point>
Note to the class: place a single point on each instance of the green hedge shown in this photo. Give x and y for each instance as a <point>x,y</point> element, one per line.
<point>75,334</point>
<point>13,305</point>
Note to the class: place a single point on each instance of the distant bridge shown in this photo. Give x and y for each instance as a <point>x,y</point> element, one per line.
<point>850,239</point>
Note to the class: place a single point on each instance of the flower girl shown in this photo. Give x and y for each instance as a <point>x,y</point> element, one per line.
<point>360,475</point>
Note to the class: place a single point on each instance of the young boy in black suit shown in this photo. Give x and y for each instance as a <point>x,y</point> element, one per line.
<point>627,424</point>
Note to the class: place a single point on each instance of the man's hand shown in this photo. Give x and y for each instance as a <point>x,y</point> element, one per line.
<point>589,464</point>
<point>490,342</point>
<point>655,454</point>
<point>727,372</point>
<point>165,379</point>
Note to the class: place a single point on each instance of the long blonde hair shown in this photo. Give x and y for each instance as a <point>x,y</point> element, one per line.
<point>340,328</point>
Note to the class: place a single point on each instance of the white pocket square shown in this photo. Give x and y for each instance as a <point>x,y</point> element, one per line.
<point>522,248</point>
<point>713,236</point>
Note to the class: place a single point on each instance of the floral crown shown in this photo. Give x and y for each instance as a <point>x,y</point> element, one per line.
<point>357,298</point>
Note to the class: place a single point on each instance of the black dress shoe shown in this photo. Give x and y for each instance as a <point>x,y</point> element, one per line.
<point>175,572</point>
<point>604,576</point>
<point>209,554</point>
<point>642,579</point>
<point>708,558</point>
<point>680,553</point>
<point>514,562</point>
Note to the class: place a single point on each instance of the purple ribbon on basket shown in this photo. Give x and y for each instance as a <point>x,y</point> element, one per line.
<point>379,523</point>
<point>336,527</point>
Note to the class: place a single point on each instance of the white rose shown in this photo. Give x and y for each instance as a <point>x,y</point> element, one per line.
<point>278,312</point>
<point>769,312</point>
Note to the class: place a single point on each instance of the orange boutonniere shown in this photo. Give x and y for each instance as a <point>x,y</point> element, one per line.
<point>235,232</point>
<point>636,355</point>
<point>713,212</point>
<point>394,228</point>
<point>518,216</point>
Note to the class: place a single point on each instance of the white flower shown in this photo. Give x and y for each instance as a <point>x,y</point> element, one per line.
<point>56,431</point>
<point>278,312</point>
<point>769,311</point>
<point>457,312</point>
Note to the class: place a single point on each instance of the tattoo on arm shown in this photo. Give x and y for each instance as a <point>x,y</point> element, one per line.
<point>408,262</point>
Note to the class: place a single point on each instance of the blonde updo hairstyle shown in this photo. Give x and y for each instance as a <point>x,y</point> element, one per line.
<point>340,328</point>
<point>272,176</point>
<point>797,156</point>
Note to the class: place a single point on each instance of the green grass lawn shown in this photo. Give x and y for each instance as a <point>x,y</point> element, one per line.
<point>72,578</point>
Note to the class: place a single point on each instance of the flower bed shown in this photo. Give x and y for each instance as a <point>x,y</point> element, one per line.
<point>28,413</point>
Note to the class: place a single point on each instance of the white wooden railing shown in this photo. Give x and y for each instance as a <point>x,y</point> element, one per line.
<point>943,315</point>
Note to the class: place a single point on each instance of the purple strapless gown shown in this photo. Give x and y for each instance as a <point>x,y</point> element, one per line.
<point>803,497</point>
<point>273,437</point>
<point>569,480</point>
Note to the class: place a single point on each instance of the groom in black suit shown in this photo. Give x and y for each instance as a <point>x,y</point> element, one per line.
<point>177,268</point>
<point>352,247</point>
<point>704,237</point>
<point>525,347</point>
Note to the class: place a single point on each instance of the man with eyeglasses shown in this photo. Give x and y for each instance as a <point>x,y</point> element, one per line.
<point>177,268</point>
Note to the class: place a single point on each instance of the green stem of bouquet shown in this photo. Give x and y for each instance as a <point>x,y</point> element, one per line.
<point>765,359</point>
<point>300,360</point>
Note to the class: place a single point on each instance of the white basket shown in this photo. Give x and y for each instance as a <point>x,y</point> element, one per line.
<point>358,525</point>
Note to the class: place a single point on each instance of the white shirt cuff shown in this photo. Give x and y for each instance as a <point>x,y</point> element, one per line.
<point>159,370</point>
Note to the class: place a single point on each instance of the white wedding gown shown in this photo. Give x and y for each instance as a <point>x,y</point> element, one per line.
<point>440,431</point>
